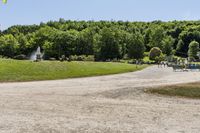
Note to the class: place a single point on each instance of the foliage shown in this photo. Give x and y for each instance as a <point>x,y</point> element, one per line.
<point>106,40</point>
<point>193,49</point>
<point>8,45</point>
<point>146,60</point>
<point>82,58</point>
<point>160,58</point>
<point>136,47</point>
<point>155,53</point>
<point>108,45</point>
<point>157,37</point>
<point>167,44</point>
<point>180,48</point>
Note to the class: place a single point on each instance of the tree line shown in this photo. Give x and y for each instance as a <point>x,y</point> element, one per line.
<point>106,40</point>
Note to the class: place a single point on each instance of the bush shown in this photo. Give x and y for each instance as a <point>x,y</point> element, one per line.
<point>155,53</point>
<point>160,58</point>
<point>73,57</point>
<point>90,58</point>
<point>82,58</point>
<point>146,60</point>
<point>146,54</point>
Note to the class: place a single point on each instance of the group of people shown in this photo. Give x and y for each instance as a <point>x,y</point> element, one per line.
<point>162,64</point>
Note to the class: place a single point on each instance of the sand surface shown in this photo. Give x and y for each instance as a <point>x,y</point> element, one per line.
<point>108,104</point>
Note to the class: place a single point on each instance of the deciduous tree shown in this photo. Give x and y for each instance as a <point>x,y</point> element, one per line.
<point>193,49</point>
<point>136,46</point>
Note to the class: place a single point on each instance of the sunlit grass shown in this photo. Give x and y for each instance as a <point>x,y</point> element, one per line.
<point>13,70</point>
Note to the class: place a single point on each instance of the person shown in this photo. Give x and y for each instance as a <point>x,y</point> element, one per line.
<point>161,64</point>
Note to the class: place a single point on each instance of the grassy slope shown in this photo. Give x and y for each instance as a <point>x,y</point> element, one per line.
<point>191,90</point>
<point>12,70</point>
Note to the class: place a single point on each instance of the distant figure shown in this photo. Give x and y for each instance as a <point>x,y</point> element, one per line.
<point>164,64</point>
<point>167,64</point>
<point>161,64</point>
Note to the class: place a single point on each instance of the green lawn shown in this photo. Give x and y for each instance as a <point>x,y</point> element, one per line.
<point>183,90</point>
<point>13,70</point>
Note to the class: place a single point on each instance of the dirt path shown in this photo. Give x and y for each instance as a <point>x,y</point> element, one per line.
<point>99,104</point>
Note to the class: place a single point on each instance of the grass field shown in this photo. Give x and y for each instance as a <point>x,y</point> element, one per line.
<point>191,90</point>
<point>13,70</point>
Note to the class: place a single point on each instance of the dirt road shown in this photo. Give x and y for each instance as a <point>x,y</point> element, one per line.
<point>107,104</point>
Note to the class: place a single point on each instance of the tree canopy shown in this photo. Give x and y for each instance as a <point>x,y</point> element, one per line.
<point>136,47</point>
<point>106,40</point>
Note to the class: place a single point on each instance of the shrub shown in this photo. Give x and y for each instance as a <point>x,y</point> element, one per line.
<point>160,58</point>
<point>155,53</point>
<point>89,58</point>
<point>82,58</point>
<point>73,57</point>
<point>146,54</point>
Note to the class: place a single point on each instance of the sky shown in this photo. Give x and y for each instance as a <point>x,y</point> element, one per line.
<point>26,12</point>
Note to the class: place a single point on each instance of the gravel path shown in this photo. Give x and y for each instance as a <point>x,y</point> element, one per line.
<point>107,104</point>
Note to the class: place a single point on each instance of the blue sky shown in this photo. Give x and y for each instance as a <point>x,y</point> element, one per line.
<point>35,11</point>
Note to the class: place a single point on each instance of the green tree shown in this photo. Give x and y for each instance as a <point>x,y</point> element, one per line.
<point>167,44</point>
<point>123,39</point>
<point>193,49</point>
<point>42,35</point>
<point>50,52</point>
<point>8,45</point>
<point>109,45</point>
<point>157,35</point>
<point>85,42</point>
<point>104,39</point>
<point>136,46</point>
<point>23,44</point>
<point>187,36</point>
<point>65,42</point>
<point>179,48</point>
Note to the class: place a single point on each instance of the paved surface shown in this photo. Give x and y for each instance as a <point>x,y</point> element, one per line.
<point>107,104</point>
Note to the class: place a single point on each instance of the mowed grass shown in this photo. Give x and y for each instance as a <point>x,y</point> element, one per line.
<point>13,70</point>
<point>191,90</point>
